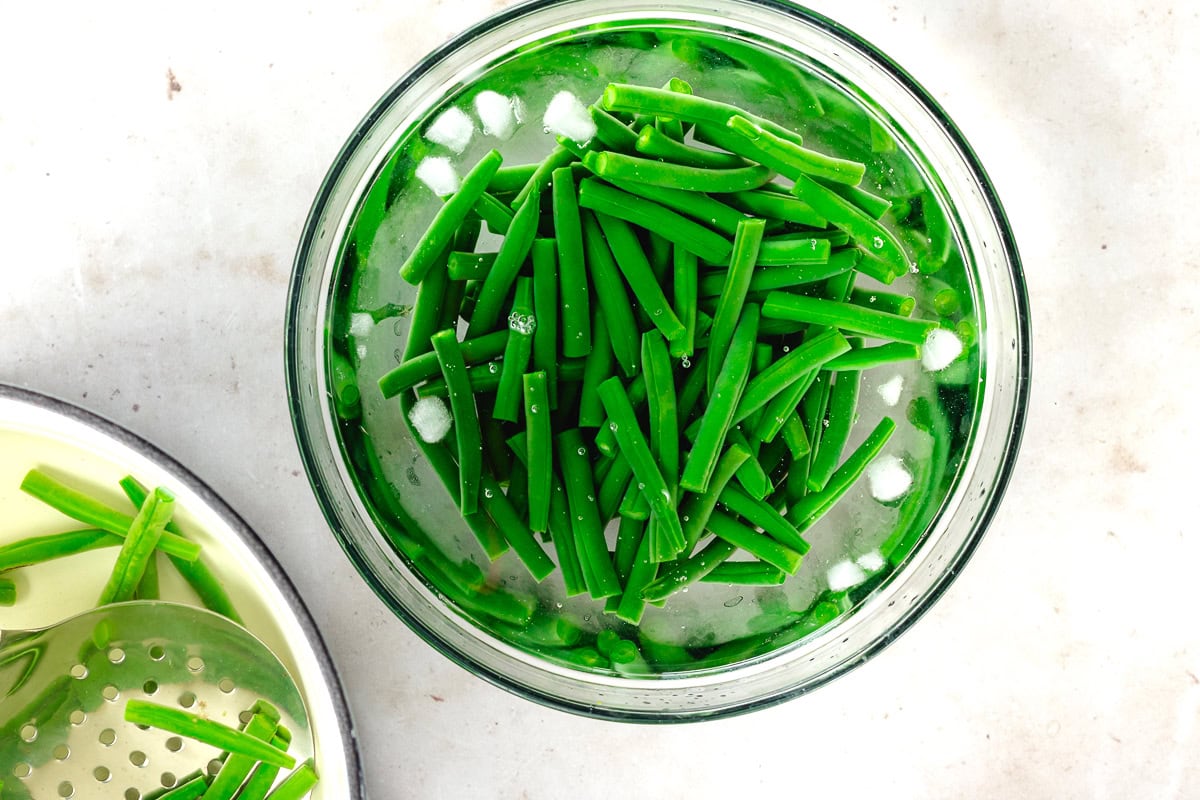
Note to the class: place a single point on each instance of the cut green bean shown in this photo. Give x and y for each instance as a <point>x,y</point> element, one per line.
<point>805,513</point>
<point>793,366</point>
<point>801,160</point>
<point>614,134</point>
<point>750,474</point>
<point>678,229</point>
<point>761,513</point>
<point>756,544</point>
<point>687,107</point>
<point>847,317</point>
<point>500,278</point>
<point>343,386</point>
<point>644,569</point>
<point>663,412</point>
<point>561,530</point>
<point>766,279</point>
<point>613,487</point>
<point>540,459</point>
<point>466,419</point>
<point>298,784</point>
<point>707,211</point>
<point>785,251</point>
<point>437,237</point>
<point>598,570</point>
<point>727,392</point>
<point>696,510</point>
<point>507,180</point>
<point>236,767</point>
<point>632,261</point>
<point>540,179</point>
<point>874,239</point>
<point>746,245</point>
<point>469,266</point>
<point>685,274</point>
<point>647,472</point>
<point>777,411</point>
<point>839,419</point>
<point>634,504</point>
<point>679,574</point>
<point>795,436</point>
<point>868,357</point>
<point>653,143</point>
<point>8,592</point>
<point>411,372</point>
<point>612,298</point>
<point>621,167</point>
<point>597,368</point>
<point>517,353</point>
<point>573,283</point>
<point>773,205</point>
<point>193,726</point>
<point>902,305</point>
<point>515,530</point>
<point>497,216</point>
<point>82,508</point>
<point>746,573</point>
<point>39,549</point>
<point>545,311</point>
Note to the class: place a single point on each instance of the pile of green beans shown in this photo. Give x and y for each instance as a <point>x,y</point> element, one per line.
<point>669,338</point>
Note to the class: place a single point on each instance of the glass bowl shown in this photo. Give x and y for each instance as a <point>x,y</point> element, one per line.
<point>962,434</point>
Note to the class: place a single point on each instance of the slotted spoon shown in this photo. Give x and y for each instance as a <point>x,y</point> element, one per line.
<point>63,691</point>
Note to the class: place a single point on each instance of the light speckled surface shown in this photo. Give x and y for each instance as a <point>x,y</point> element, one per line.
<point>148,238</point>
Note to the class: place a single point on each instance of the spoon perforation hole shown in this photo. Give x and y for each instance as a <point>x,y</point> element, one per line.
<point>79,672</point>
<point>175,744</point>
<point>22,770</point>
<point>195,664</point>
<point>132,794</point>
<point>168,780</point>
<point>29,733</point>
<point>66,789</point>
<point>157,652</point>
<point>214,766</point>
<point>116,655</point>
<point>77,717</point>
<point>61,752</point>
<point>150,686</point>
<point>226,685</point>
<point>138,758</point>
<point>107,737</point>
<point>187,699</point>
<point>102,774</point>
<point>110,693</point>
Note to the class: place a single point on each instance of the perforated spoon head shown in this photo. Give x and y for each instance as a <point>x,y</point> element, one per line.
<point>63,691</point>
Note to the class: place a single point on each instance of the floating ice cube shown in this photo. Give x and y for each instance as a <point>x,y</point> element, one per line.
<point>843,575</point>
<point>941,347</point>
<point>438,174</point>
<point>890,390</point>
<point>453,129</point>
<point>361,324</point>
<point>568,117</point>
<point>497,113</point>
<point>888,477</point>
<point>431,418</point>
<point>871,562</point>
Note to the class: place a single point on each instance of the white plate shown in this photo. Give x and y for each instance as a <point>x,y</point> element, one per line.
<point>92,453</point>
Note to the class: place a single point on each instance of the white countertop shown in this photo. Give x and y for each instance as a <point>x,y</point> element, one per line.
<point>148,236</point>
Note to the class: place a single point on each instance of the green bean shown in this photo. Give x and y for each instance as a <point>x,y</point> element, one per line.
<point>298,784</point>
<point>507,180</point>
<point>632,262</point>
<point>698,507</point>
<point>500,278</point>
<point>82,508</point>
<point>733,294</point>
<point>516,531</point>
<point>8,592</point>
<point>503,606</point>
<point>469,266</point>
<point>613,487</point>
<point>620,167</point>
<point>541,448</point>
<point>630,533</point>
<point>495,214</point>
<point>414,370</point>
<point>646,470</point>
<point>793,251</point>
<point>236,767</point>
<point>598,571</point>
<point>606,440</point>
<point>843,407</point>
<point>263,776</point>
<point>655,144</point>
<point>745,573</point>
<point>704,209</point>
<point>795,437</point>
<point>545,311</point>
<point>750,474</point>
<point>343,386</point>
<point>756,544</point>
<point>800,160</point>
<point>805,513</point>
<point>614,134</point>
<point>660,102</point>
<point>867,357</point>
<point>612,299</point>
<point>777,411</point>
<point>766,279</point>
<point>642,571</point>
<point>694,384</point>
<point>482,378</point>
<point>660,396</point>
<point>723,400</point>
<point>634,504</point>
<point>192,789</point>
<point>658,252</point>
<point>540,179</point>
<point>678,574</point>
<point>900,304</point>
<point>720,136</point>
<point>38,549</point>
<point>573,284</point>
<point>847,317</point>
<point>466,419</point>
<point>561,532</point>
<point>193,726</point>
<point>875,240</point>
<point>773,205</point>
<point>517,353</point>
<point>437,237</point>
<point>678,229</point>
<point>597,368</point>
<point>798,363</point>
<point>761,513</point>
<point>685,272</point>
<point>872,205</point>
